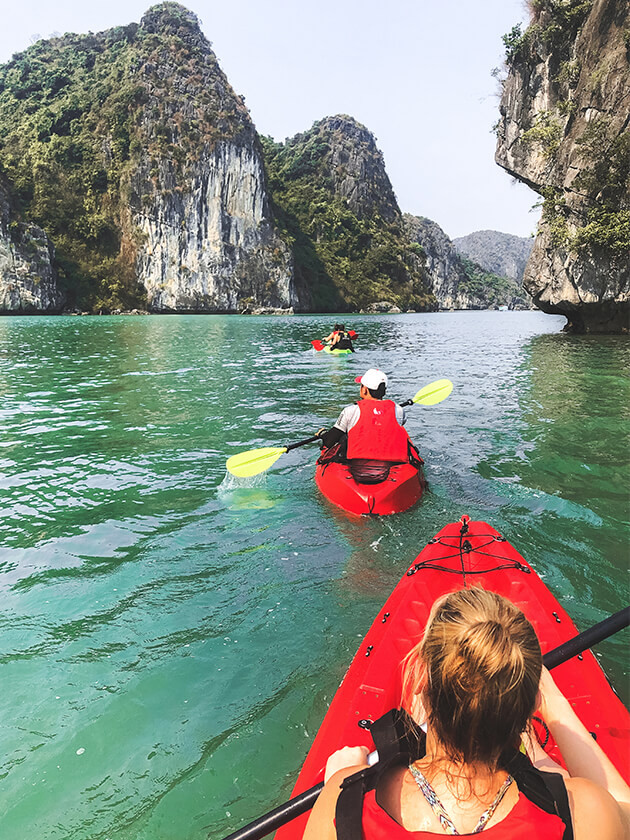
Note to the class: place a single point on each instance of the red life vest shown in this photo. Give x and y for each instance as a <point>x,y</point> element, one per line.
<point>377,434</point>
<point>523,822</point>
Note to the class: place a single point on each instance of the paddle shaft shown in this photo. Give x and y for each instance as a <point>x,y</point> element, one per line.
<point>302,443</point>
<point>583,641</point>
<point>304,801</point>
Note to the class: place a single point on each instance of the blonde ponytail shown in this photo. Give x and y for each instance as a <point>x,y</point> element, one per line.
<point>477,670</point>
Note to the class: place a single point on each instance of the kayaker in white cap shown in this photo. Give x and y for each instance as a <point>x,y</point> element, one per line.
<point>372,427</point>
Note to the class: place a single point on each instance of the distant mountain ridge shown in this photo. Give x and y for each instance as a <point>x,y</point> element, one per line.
<point>500,253</point>
<point>460,282</point>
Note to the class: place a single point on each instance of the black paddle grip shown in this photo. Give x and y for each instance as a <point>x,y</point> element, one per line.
<point>301,443</point>
<point>279,816</point>
<point>588,638</point>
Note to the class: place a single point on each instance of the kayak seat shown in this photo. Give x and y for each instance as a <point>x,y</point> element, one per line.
<point>369,471</point>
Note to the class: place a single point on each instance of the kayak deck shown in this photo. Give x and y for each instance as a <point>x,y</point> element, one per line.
<point>454,560</point>
<point>402,488</point>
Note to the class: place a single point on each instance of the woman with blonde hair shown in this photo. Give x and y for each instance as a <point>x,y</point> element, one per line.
<point>476,679</point>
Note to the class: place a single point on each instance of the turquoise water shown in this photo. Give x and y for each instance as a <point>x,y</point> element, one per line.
<point>169,639</point>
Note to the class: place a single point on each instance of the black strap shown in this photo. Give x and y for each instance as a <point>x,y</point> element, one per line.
<point>397,736</point>
<point>349,808</point>
<point>555,783</point>
<point>399,740</point>
<point>546,790</point>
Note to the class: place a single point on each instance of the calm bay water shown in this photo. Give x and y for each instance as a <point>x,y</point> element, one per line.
<point>170,640</point>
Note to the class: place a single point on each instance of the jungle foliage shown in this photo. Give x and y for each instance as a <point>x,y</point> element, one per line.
<point>490,289</point>
<point>554,26</point>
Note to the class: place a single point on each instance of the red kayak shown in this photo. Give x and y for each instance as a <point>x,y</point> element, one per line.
<point>402,488</point>
<point>460,555</point>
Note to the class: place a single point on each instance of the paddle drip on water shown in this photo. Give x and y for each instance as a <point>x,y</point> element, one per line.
<point>249,493</point>
<point>235,482</point>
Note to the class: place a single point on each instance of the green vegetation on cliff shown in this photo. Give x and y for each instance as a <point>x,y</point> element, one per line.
<point>66,124</point>
<point>604,182</point>
<point>348,257</point>
<point>489,288</point>
<point>554,26</point>
<point>581,81</point>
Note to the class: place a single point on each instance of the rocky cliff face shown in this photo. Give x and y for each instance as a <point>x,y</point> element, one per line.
<point>28,282</point>
<point>500,253</point>
<point>132,151</point>
<point>442,262</point>
<point>354,166</point>
<point>198,194</point>
<point>460,283</point>
<point>564,130</point>
<point>335,204</point>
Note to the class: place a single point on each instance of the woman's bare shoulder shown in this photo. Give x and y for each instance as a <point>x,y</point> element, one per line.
<point>595,813</point>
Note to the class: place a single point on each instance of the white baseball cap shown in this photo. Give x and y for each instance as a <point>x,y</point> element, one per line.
<point>372,378</point>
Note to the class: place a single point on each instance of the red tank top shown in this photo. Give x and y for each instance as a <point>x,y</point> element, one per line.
<point>524,822</point>
<point>377,434</point>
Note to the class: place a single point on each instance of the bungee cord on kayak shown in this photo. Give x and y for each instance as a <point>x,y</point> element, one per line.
<point>464,547</point>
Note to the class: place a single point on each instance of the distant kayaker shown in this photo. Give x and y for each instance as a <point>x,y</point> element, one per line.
<point>332,336</point>
<point>475,680</point>
<point>339,339</point>
<point>372,429</point>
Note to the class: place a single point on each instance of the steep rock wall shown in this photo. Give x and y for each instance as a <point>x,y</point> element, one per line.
<point>28,281</point>
<point>442,263</point>
<point>211,246</point>
<point>460,283</point>
<point>500,253</point>
<point>564,131</point>
<point>206,240</point>
<point>131,150</point>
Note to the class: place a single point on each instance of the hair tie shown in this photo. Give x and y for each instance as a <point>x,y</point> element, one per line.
<point>545,727</point>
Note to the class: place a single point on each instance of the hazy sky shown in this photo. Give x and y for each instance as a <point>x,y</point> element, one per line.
<point>415,72</point>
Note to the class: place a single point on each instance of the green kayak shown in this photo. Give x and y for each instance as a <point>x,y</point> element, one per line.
<point>336,352</point>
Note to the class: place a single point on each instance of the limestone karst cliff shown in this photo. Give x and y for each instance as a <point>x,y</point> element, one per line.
<point>27,278</point>
<point>335,204</point>
<point>458,282</point>
<point>501,253</point>
<point>138,180</point>
<point>197,191</point>
<point>131,150</point>
<point>564,131</point>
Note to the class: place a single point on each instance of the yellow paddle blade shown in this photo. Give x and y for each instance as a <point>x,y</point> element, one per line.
<point>254,461</point>
<point>434,392</point>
